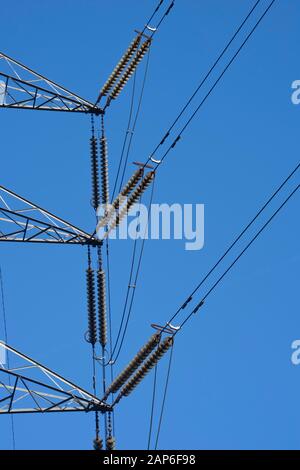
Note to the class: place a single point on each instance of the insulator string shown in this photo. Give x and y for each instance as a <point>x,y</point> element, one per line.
<point>134,364</point>
<point>145,368</point>
<point>94,167</point>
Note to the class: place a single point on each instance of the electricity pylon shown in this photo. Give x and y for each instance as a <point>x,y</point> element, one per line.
<point>31,387</point>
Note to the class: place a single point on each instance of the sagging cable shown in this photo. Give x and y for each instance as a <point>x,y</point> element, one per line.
<point>133,365</point>
<point>163,347</point>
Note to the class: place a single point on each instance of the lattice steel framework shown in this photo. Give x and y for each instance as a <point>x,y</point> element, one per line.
<point>23,88</point>
<point>23,221</point>
<point>41,390</point>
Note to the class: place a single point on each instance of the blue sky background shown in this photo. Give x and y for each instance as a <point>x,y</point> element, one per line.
<point>232,383</point>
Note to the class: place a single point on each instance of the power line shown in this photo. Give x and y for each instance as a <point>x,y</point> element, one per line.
<point>228,65</point>
<point>136,117</point>
<point>208,293</point>
<point>165,396</point>
<point>166,13</point>
<point>154,13</point>
<point>169,8</point>
<point>203,299</point>
<point>173,145</point>
<point>131,131</point>
<point>239,236</point>
<point>114,359</point>
<point>211,89</point>
<point>142,249</point>
<point>217,81</point>
<point>135,279</point>
<point>152,406</point>
<point>126,135</point>
<point>163,401</point>
<point>206,76</point>
<point>124,61</point>
<point>130,286</point>
<point>124,169</point>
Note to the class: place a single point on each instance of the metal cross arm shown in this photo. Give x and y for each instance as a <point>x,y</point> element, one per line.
<point>23,88</point>
<point>23,221</point>
<point>41,390</point>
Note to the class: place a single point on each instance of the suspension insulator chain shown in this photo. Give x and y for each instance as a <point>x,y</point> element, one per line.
<point>98,443</point>
<point>102,321</point>
<point>109,430</point>
<point>130,69</point>
<point>110,440</point>
<point>104,167</point>
<point>127,56</point>
<point>110,443</point>
<point>133,365</point>
<point>91,301</point>
<point>94,168</point>
<point>146,367</point>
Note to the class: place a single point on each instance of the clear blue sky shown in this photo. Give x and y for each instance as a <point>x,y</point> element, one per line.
<point>232,383</point>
